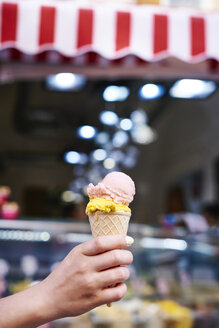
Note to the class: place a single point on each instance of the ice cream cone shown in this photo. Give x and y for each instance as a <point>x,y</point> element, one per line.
<point>108,224</point>
<point>108,207</point>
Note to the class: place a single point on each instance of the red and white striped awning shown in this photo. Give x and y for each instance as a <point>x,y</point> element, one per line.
<point>71,29</point>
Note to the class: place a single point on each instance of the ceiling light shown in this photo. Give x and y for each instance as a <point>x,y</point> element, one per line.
<point>126,124</point>
<point>115,93</point>
<point>109,163</point>
<point>95,173</point>
<point>132,151</point>
<point>117,155</point>
<point>78,198</point>
<point>83,159</point>
<point>77,185</point>
<point>120,139</point>
<point>80,182</point>
<point>99,154</point>
<point>129,162</point>
<point>68,196</point>
<point>151,91</point>
<point>86,132</point>
<point>108,117</point>
<point>143,135</point>
<point>72,157</point>
<point>191,88</point>
<point>65,82</point>
<point>139,116</point>
<point>102,138</point>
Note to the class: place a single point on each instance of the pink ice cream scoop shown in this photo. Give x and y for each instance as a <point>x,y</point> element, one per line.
<point>116,186</point>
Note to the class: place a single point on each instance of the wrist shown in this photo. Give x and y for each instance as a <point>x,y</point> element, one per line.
<point>45,302</point>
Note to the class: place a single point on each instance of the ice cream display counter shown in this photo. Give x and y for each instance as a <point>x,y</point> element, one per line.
<point>174,278</point>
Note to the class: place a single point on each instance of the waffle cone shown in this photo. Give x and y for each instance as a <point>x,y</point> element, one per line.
<point>107,224</point>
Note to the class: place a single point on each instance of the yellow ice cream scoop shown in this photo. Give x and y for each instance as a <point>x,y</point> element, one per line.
<point>104,205</point>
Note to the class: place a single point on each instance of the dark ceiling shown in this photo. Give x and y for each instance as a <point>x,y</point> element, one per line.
<point>47,113</point>
<point>47,121</point>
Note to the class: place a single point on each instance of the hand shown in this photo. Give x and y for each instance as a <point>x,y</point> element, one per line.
<point>82,281</point>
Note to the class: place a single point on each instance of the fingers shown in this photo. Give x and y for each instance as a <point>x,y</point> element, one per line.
<point>113,294</point>
<point>113,277</point>
<point>106,243</point>
<point>105,257</point>
<point>112,259</point>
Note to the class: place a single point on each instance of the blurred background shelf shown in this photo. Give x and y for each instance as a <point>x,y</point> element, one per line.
<point>171,270</point>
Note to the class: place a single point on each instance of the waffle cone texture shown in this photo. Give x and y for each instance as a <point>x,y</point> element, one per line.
<point>108,224</point>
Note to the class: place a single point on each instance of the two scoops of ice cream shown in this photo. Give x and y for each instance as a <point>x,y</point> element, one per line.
<point>108,208</point>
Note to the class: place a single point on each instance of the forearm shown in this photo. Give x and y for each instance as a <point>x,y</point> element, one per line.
<point>27,309</point>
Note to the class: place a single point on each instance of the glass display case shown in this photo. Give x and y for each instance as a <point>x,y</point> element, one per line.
<point>174,278</point>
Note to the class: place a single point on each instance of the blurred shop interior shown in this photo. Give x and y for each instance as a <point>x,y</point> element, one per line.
<point>168,145</point>
<point>68,119</point>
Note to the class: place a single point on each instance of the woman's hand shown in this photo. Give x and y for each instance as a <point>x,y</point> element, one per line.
<point>82,281</point>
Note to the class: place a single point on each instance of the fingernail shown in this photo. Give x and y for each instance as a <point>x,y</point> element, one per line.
<point>129,240</point>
